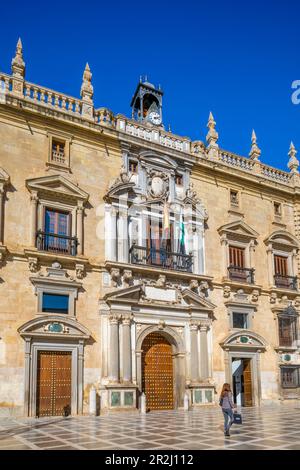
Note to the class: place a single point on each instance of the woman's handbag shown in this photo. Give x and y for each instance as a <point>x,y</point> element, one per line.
<point>237,418</point>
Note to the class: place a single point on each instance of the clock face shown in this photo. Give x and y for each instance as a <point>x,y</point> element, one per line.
<point>154,118</point>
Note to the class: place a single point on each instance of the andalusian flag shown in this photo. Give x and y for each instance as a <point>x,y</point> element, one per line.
<point>181,234</point>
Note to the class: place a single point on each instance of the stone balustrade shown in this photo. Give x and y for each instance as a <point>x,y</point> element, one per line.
<point>156,135</point>
<point>50,98</point>
<point>104,117</point>
<point>5,83</point>
<point>275,174</point>
<point>236,160</point>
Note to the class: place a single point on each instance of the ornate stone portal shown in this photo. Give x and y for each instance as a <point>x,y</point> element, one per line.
<point>130,316</point>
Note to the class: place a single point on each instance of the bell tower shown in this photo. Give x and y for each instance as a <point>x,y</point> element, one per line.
<point>146,103</point>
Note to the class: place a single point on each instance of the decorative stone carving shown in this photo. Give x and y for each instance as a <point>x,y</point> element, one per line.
<point>297,302</point>
<point>194,284</point>
<point>80,271</point>
<point>273,298</point>
<point>87,90</point>
<point>127,278</point>
<point>18,64</point>
<point>33,265</point>
<point>158,184</point>
<point>123,178</point>
<point>126,319</point>
<point>56,327</point>
<point>243,339</point>
<point>56,265</point>
<point>255,295</point>
<point>161,325</point>
<point>161,281</point>
<point>293,163</point>
<point>205,324</point>
<point>191,193</point>
<point>255,150</point>
<point>226,291</point>
<point>115,276</point>
<point>203,288</point>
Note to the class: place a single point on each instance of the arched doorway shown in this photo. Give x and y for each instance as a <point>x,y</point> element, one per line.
<point>157,372</point>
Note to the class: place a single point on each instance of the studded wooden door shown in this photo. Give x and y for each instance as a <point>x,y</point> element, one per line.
<point>247,383</point>
<point>54,383</point>
<point>157,372</point>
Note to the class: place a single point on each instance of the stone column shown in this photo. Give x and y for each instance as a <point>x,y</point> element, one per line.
<point>34,202</point>
<point>127,374</point>
<point>27,409</point>
<point>251,253</point>
<point>224,245</point>
<point>80,376</point>
<point>294,263</point>
<point>80,214</point>
<point>1,214</point>
<point>204,369</point>
<point>123,236</point>
<point>194,352</point>
<point>112,234</point>
<point>114,349</point>
<point>270,264</point>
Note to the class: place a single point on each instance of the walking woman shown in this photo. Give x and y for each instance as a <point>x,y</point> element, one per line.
<point>227,406</point>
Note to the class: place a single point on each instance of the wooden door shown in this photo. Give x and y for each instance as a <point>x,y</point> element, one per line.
<point>157,372</point>
<point>54,383</point>
<point>247,382</point>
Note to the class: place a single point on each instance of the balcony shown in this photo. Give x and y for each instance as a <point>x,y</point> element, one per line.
<point>53,243</point>
<point>286,282</point>
<point>160,258</point>
<point>238,274</point>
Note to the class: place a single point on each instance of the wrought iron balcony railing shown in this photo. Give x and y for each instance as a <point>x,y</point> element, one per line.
<point>56,243</point>
<point>160,258</point>
<point>241,274</point>
<point>285,282</point>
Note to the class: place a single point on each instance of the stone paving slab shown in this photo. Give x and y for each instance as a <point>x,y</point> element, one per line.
<point>264,428</point>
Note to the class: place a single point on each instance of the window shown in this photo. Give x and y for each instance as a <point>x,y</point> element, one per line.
<point>55,303</point>
<point>179,180</point>
<point>240,320</point>
<point>56,235</point>
<point>234,199</point>
<point>282,278</point>
<point>277,209</point>
<point>132,166</point>
<point>287,330</point>
<point>280,263</point>
<point>236,256</point>
<point>290,377</point>
<point>58,152</point>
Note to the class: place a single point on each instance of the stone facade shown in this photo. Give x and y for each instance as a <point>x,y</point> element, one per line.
<point>112,175</point>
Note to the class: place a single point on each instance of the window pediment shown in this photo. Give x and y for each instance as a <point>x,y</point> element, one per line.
<point>282,239</point>
<point>159,161</point>
<point>244,339</point>
<point>56,185</point>
<point>238,229</point>
<point>191,298</point>
<point>55,326</point>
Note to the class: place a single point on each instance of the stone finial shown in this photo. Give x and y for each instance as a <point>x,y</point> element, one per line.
<point>17,63</point>
<point>293,163</point>
<point>255,150</point>
<point>87,90</point>
<point>212,135</point>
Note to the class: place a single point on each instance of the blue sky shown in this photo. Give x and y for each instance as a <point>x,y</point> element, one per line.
<point>237,59</point>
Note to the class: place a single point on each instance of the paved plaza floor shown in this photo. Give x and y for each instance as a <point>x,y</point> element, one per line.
<point>268,427</point>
